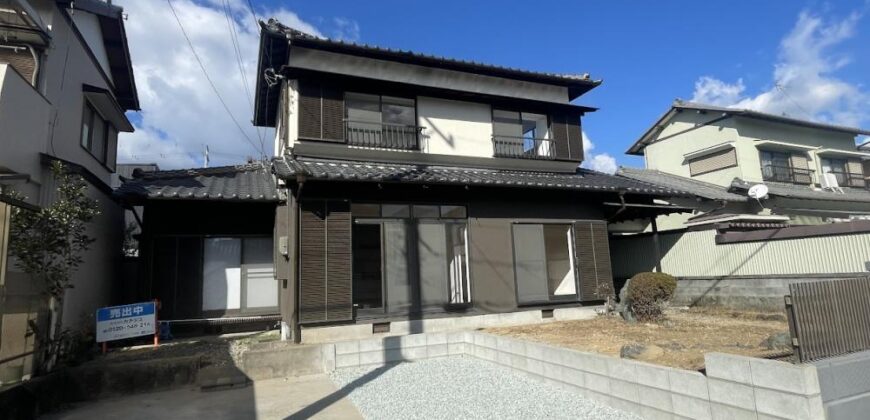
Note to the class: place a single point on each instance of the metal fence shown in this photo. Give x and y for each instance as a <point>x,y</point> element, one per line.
<point>829,318</point>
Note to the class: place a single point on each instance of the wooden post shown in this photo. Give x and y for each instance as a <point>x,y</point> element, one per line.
<point>656,245</point>
<point>156,324</point>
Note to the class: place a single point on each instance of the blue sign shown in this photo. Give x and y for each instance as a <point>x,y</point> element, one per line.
<point>126,321</point>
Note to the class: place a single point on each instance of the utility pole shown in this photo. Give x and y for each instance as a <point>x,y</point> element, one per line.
<point>205,163</point>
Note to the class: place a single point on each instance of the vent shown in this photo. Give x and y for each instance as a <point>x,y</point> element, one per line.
<point>380,327</point>
<point>547,313</point>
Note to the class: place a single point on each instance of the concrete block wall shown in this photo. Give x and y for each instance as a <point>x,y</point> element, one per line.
<point>330,334</point>
<point>735,387</point>
<point>845,385</point>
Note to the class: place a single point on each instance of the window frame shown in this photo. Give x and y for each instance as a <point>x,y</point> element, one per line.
<point>552,298</point>
<point>380,107</point>
<point>88,144</point>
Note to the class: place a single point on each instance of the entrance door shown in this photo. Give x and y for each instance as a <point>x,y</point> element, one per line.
<point>368,293</point>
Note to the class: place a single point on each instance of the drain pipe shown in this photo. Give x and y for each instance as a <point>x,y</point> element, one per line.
<point>294,317</point>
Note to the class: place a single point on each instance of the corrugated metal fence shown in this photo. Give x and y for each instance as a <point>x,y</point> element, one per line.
<point>696,254</point>
<point>829,318</point>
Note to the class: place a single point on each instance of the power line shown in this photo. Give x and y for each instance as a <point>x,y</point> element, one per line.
<point>781,89</point>
<point>210,82</point>
<point>234,38</point>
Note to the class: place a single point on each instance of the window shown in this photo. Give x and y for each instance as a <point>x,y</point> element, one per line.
<point>715,161</point>
<point>544,263</point>
<point>381,121</point>
<point>776,166</point>
<point>238,275</point>
<point>839,168</point>
<point>519,134</point>
<point>97,135</point>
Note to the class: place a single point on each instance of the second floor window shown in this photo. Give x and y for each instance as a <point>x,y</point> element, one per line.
<point>381,121</point>
<point>841,171</point>
<point>96,133</point>
<point>521,134</point>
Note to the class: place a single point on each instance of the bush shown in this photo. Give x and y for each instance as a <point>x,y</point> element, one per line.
<point>649,294</point>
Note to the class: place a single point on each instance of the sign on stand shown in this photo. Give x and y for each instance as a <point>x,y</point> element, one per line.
<point>127,321</point>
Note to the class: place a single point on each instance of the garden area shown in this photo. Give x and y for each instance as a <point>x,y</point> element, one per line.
<point>644,327</point>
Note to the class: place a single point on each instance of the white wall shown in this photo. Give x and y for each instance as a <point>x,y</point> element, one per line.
<point>424,76</point>
<point>287,124</point>
<point>89,26</point>
<point>455,127</point>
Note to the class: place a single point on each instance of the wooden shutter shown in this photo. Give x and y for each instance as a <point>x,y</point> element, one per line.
<point>20,60</point>
<point>324,268</point>
<point>332,114</point>
<point>575,138</point>
<point>713,162</point>
<point>801,165</point>
<point>560,136</point>
<point>309,110</point>
<point>338,262</point>
<point>592,253</point>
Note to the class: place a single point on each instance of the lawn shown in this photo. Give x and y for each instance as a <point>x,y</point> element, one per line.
<point>679,341</point>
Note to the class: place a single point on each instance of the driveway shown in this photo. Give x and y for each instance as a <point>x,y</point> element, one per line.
<point>301,397</point>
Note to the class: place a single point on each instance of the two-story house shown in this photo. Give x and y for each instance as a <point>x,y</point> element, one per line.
<point>814,172</point>
<point>65,83</point>
<point>423,187</point>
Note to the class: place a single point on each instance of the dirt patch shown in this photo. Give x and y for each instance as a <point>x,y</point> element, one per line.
<point>217,350</point>
<point>685,335</point>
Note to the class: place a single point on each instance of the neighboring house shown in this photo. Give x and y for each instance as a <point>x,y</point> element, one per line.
<point>733,249</point>
<point>815,173</point>
<point>65,83</point>
<point>423,187</point>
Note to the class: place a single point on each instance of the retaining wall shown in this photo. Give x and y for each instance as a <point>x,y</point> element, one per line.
<point>735,387</point>
<point>845,384</point>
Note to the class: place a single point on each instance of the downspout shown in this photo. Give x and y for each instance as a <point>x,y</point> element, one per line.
<point>297,331</point>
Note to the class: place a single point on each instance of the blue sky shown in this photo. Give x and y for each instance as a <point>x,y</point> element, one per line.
<point>648,53</point>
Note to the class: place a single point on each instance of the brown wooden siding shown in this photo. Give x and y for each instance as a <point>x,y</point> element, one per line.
<point>338,262</point>
<point>309,110</point>
<point>593,260</point>
<point>332,115</point>
<point>567,136</point>
<point>321,112</point>
<point>21,61</point>
<point>575,138</point>
<point>560,136</point>
<point>713,162</point>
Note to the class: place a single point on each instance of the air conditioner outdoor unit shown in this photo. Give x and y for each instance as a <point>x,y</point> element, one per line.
<point>829,182</point>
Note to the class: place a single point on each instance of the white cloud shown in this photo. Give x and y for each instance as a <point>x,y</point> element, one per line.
<point>602,162</point>
<point>804,81</point>
<point>347,30</point>
<point>180,112</point>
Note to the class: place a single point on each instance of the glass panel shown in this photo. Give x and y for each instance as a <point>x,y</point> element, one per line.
<point>506,123</point>
<point>426,211</point>
<point>365,210</point>
<point>457,258</point>
<point>395,210</point>
<point>453,212</point>
<point>261,289</point>
<point>87,117</point>
<point>112,147</point>
<point>432,252</point>
<point>364,118</point>
<point>396,267</point>
<point>535,127</point>
<point>398,111</point>
<point>98,139</point>
<point>367,279</point>
<point>560,270</point>
<point>530,263</point>
<point>221,274</point>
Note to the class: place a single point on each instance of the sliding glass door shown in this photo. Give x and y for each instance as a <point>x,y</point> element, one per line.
<point>544,263</point>
<point>238,276</point>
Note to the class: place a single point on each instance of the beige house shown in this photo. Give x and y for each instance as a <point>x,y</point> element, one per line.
<point>815,172</point>
<point>65,83</point>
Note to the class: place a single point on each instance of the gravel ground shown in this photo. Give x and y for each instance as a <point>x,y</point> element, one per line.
<point>463,388</point>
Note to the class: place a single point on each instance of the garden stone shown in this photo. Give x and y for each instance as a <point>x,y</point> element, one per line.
<point>777,341</point>
<point>645,352</point>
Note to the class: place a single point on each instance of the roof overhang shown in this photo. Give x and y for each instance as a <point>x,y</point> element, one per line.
<point>708,219</point>
<point>780,145</point>
<point>108,107</point>
<point>846,153</point>
<point>22,24</point>
<point>708,150</point>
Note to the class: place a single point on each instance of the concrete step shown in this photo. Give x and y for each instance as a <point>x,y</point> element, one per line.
<point>216,378</point>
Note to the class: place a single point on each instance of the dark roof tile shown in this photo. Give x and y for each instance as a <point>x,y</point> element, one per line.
<point>251,182</point>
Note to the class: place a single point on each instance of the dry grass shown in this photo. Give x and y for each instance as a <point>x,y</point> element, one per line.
<point>685,335</point>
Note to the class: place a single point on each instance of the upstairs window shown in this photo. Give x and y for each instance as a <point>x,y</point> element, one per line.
<point>521,134</point>
<point>97,134</point>
<point>381,121</point>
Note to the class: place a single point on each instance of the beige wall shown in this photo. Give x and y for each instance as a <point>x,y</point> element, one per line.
<point>689,135</point>
<point>455,127</point>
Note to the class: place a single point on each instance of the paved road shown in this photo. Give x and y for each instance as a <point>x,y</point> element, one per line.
<point>294,398</point>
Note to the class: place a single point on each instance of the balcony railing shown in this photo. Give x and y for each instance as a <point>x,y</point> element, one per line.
<point>786,173</point>
<point>849,179</point>
<point>523,147</point>
<point>383,135</point>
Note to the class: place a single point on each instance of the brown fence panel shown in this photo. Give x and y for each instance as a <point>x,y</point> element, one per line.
<point>829,318</point>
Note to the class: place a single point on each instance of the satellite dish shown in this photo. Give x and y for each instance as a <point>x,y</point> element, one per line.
<point>758,191</point>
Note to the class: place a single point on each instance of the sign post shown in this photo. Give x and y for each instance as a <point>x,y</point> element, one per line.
<point>127,321</point>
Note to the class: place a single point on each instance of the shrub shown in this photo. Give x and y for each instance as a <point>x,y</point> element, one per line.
<point>649,293</point>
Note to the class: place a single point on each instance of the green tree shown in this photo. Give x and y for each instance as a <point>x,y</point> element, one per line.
<point>48,243</point>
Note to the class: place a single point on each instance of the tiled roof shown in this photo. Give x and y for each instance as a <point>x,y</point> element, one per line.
<point>347,170</point>
<point>275,27</point>
<point>250,182</point>
<point>676,182</point>
<point>858,195</point>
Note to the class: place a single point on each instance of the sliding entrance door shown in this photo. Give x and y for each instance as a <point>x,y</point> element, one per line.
<point>238,276</point>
